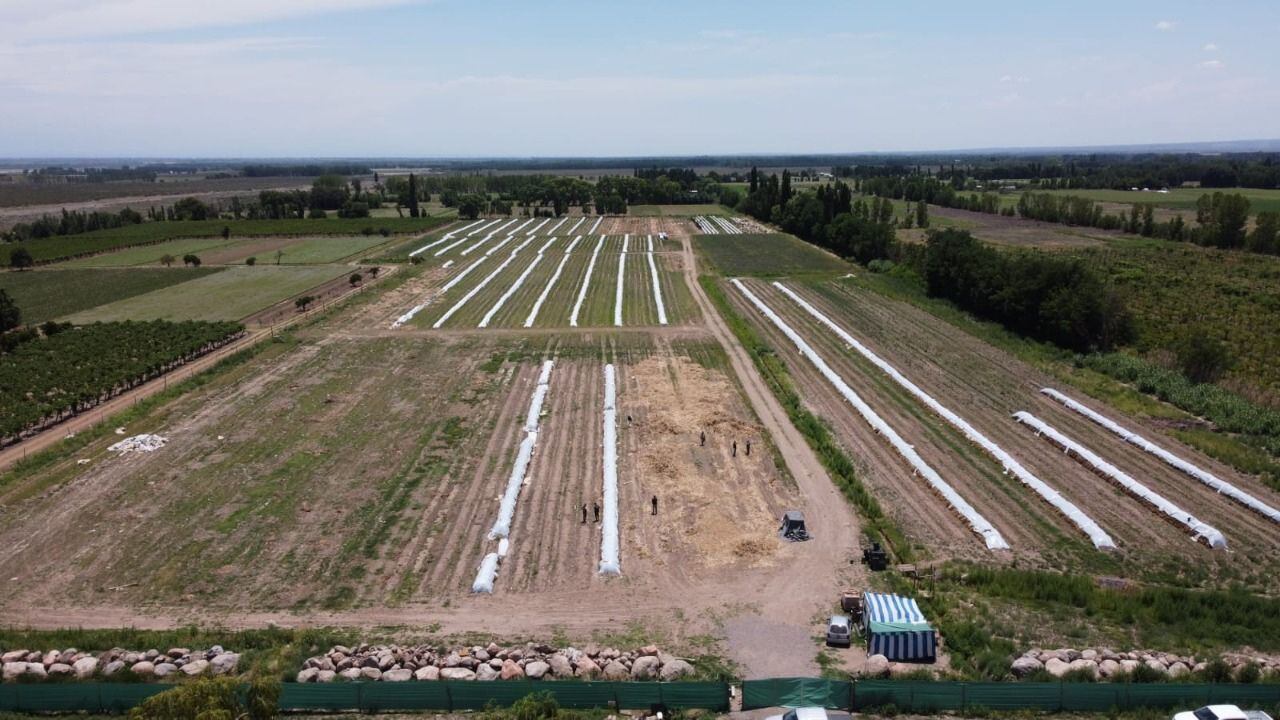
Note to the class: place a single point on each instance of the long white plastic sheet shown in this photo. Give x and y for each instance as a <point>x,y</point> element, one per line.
<point>515,286</point>
<point>542,297</point>
<point>622,274</point>
<point>705,226</point>
<point>1097,535</point>
<point>534,231</point>
<point>551,230</point>
<point>480,285</point>
<point>586,281</point>
<point>445,238</point>
<point>574,229</point>
<point>1200,529</point>
<point>1204,476</point>
<point>609,560</point>
<point>592,231</point>
<point>407,316</point>
<point>980,525</point>
<point>475,245</point>
<point>657,287</point>
<point>487,574</point>
<point>728,225</point>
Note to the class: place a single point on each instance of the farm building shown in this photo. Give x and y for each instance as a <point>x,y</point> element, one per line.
<point>897,629</point>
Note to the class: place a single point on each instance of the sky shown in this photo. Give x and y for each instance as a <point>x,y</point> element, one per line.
<point>468,78</point>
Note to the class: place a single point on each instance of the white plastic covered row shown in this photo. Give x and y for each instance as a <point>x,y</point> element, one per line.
<point>542,297</point>
<point>515,286</point>
<point>622,274</point>
<point>480,285</point>
<point>443,239</point>
<point>1204,476</point>
<point>705,226</point>
<point>1097,535</point>
<point>727,224</point>
<point>574,229</point>
<point>609,561</point>
<point>535,229</point>
<point>407,316</point>
<point>983,527</point>
<point>592,231</point>
<point>586,281</point>
<point>467,250</point>
<point>1200,529</point>
<point>501,529</point>
<point>657,286</point>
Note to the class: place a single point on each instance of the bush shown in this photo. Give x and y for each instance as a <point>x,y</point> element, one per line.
<point>1202,358</point>
<point>317,214</point>
<point>211,699</point>
<point>251,261</point>
<point>1216,671</point>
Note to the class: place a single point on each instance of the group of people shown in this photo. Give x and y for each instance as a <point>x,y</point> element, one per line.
<point>702,442</point>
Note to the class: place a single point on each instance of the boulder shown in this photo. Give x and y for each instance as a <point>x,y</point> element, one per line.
<point>1178,669</point>
<point>616,671</point>
<point>427,672</point>
<point>397,675</point>
<point>36,670</point>
<point>386,661</point>
<point>85,667</point>
<point>50,658</point>
<point>1087,666</point>
<point>1157,665</point>
<point>1089,654</point>
<point>1057,667</point>
<point>326,676</point>
<point>226,662</point>
<point>675,669</point>
<point>151,654</point>
<point>196,667</point>
<point>457,673</point>
<point>59,669</point>
<point>1021,667</point>
<point>452,660</point>
<point>536,669</point>
<point>482,655</point>
<point>649,650</point>
<point>13,669</point>
<point>14,656</point>
<point>645,667</point>
<point>165,669</point>
<point>351,673</point>
<point>370,673</point>
<point>143,668</point>
<point>1128,665</point>
<point>307,675</point>
<point>1108,667</point>
<point>177,652</point>
<point>113,667</point>
<point>493,649</point>
<point>510,670</point>
<point>585,667</point>
<point>486,672</point>
<point>560,665</point>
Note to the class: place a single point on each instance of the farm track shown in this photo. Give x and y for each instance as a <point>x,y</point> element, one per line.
<point>984,385</point>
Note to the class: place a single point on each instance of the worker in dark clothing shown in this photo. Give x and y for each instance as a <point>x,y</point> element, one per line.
<point>584,513</point>
<point>735,448</point>
<point>748,448</point>
<point>655,505</point>
<point>703,439</point>
<point>595,507</point>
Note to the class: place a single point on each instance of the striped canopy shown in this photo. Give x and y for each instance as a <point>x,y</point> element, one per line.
<point>890,608</point>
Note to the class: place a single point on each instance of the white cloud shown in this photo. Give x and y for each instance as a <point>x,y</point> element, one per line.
<point>1212,65</point>
<point>1210,47</point>
<point>1166,25</point>
<point>1015,79</point>
<point>28,20</point>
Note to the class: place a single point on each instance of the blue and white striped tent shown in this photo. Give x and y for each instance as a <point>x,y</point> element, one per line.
<point>897,629</point>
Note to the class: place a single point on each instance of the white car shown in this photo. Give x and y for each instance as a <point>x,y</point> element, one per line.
<point>1221,712</point>
<point>810,713</point>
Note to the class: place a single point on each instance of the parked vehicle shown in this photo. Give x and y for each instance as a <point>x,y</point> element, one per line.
<point>1221,712</point>
<point>840,630</point>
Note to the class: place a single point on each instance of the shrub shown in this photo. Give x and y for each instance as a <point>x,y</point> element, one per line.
<point>211,699</point>
<point>251,261</point>
<point>1202,358</point>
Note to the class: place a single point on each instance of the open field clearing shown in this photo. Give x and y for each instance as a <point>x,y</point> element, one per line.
<point>678,210</point>
<point>47,294</point>
<point>150,254</point>
<point>1015,231</point>
<point>772,255</point>
<point>508,308</point>
<point>233,294</point>
<point>319,250</point>
<point>1179,199</point>
<point>984,385</point>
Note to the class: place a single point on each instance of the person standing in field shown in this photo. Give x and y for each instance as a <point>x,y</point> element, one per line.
<point>595,507</point>
<point>735,448</point>
<point>702,439</point>
<point>584,513</point>
<point>655,505</point>
<point>748,448</point>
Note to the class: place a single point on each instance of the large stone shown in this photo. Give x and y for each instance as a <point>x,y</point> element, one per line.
<point>85,667</point>
<point>398,675</point>
<point>510,670</point>
<point>537,669</point>
<point>14,656</point>
<point>1087,666</point>
<point>307,675</point>
<point>196,667</point>
<point>1128,665</point>
<point>616,671</point>
<point>1108,667</point>
<point>113,667</point>
<point>13,669</point>
<point>178,652</point>
<point>59,669</point>
<point>649,650</point>
<point>351,673</point>
<point>1057,667</point>
<point>226,662</point>
<point>326,676</point>
<point>1024,666</point>
<point>165,669</point>
<point>457,673</point>
<point>370,673</point>
<point>482,655</point>
<point>427,672</point>
<point>486,672</point>
<point>646,667</point>
<point>1178,669</point>
<point>144,668</point>
<point>1089,654</point>
<point>585,667</point>
<point>675,669</point>
<point>50,658</point>
<point>560,665</point>
<point>36,670</point>
<point>452,660</point>
<point>1158,666</point>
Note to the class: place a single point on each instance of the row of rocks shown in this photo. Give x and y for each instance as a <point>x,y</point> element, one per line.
<point>402,663</point>
<point>1104,663</point>
<point>36,665</point>
<point>881,666</point>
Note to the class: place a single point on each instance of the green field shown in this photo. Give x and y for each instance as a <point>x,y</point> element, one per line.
<point>49,294</point>
<point>151,232</point>
<point>148,254</point>
<point>1183,199</point>
<point>766,255</point>
<point>318,250</point>
<point>232,294</point>
<point>678,210</point>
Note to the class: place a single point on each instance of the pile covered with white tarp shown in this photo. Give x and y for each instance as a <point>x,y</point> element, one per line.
<point>139,443</point>
<point>1200,529</point>
<point>1096,534</point>
<point>983,527</point>
<point>609,561</point>
<point>501,529</point>
<point>1204,476</point>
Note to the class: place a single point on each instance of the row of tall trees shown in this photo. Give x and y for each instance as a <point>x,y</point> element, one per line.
<point>71,222</point>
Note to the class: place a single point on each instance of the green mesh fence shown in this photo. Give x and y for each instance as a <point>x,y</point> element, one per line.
<point>797,692</point>
<point>924,697</point>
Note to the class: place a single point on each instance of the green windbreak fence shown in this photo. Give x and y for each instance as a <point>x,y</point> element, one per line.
<point>372,697</point>
<point>796,692</point>
<point>926,697</point>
